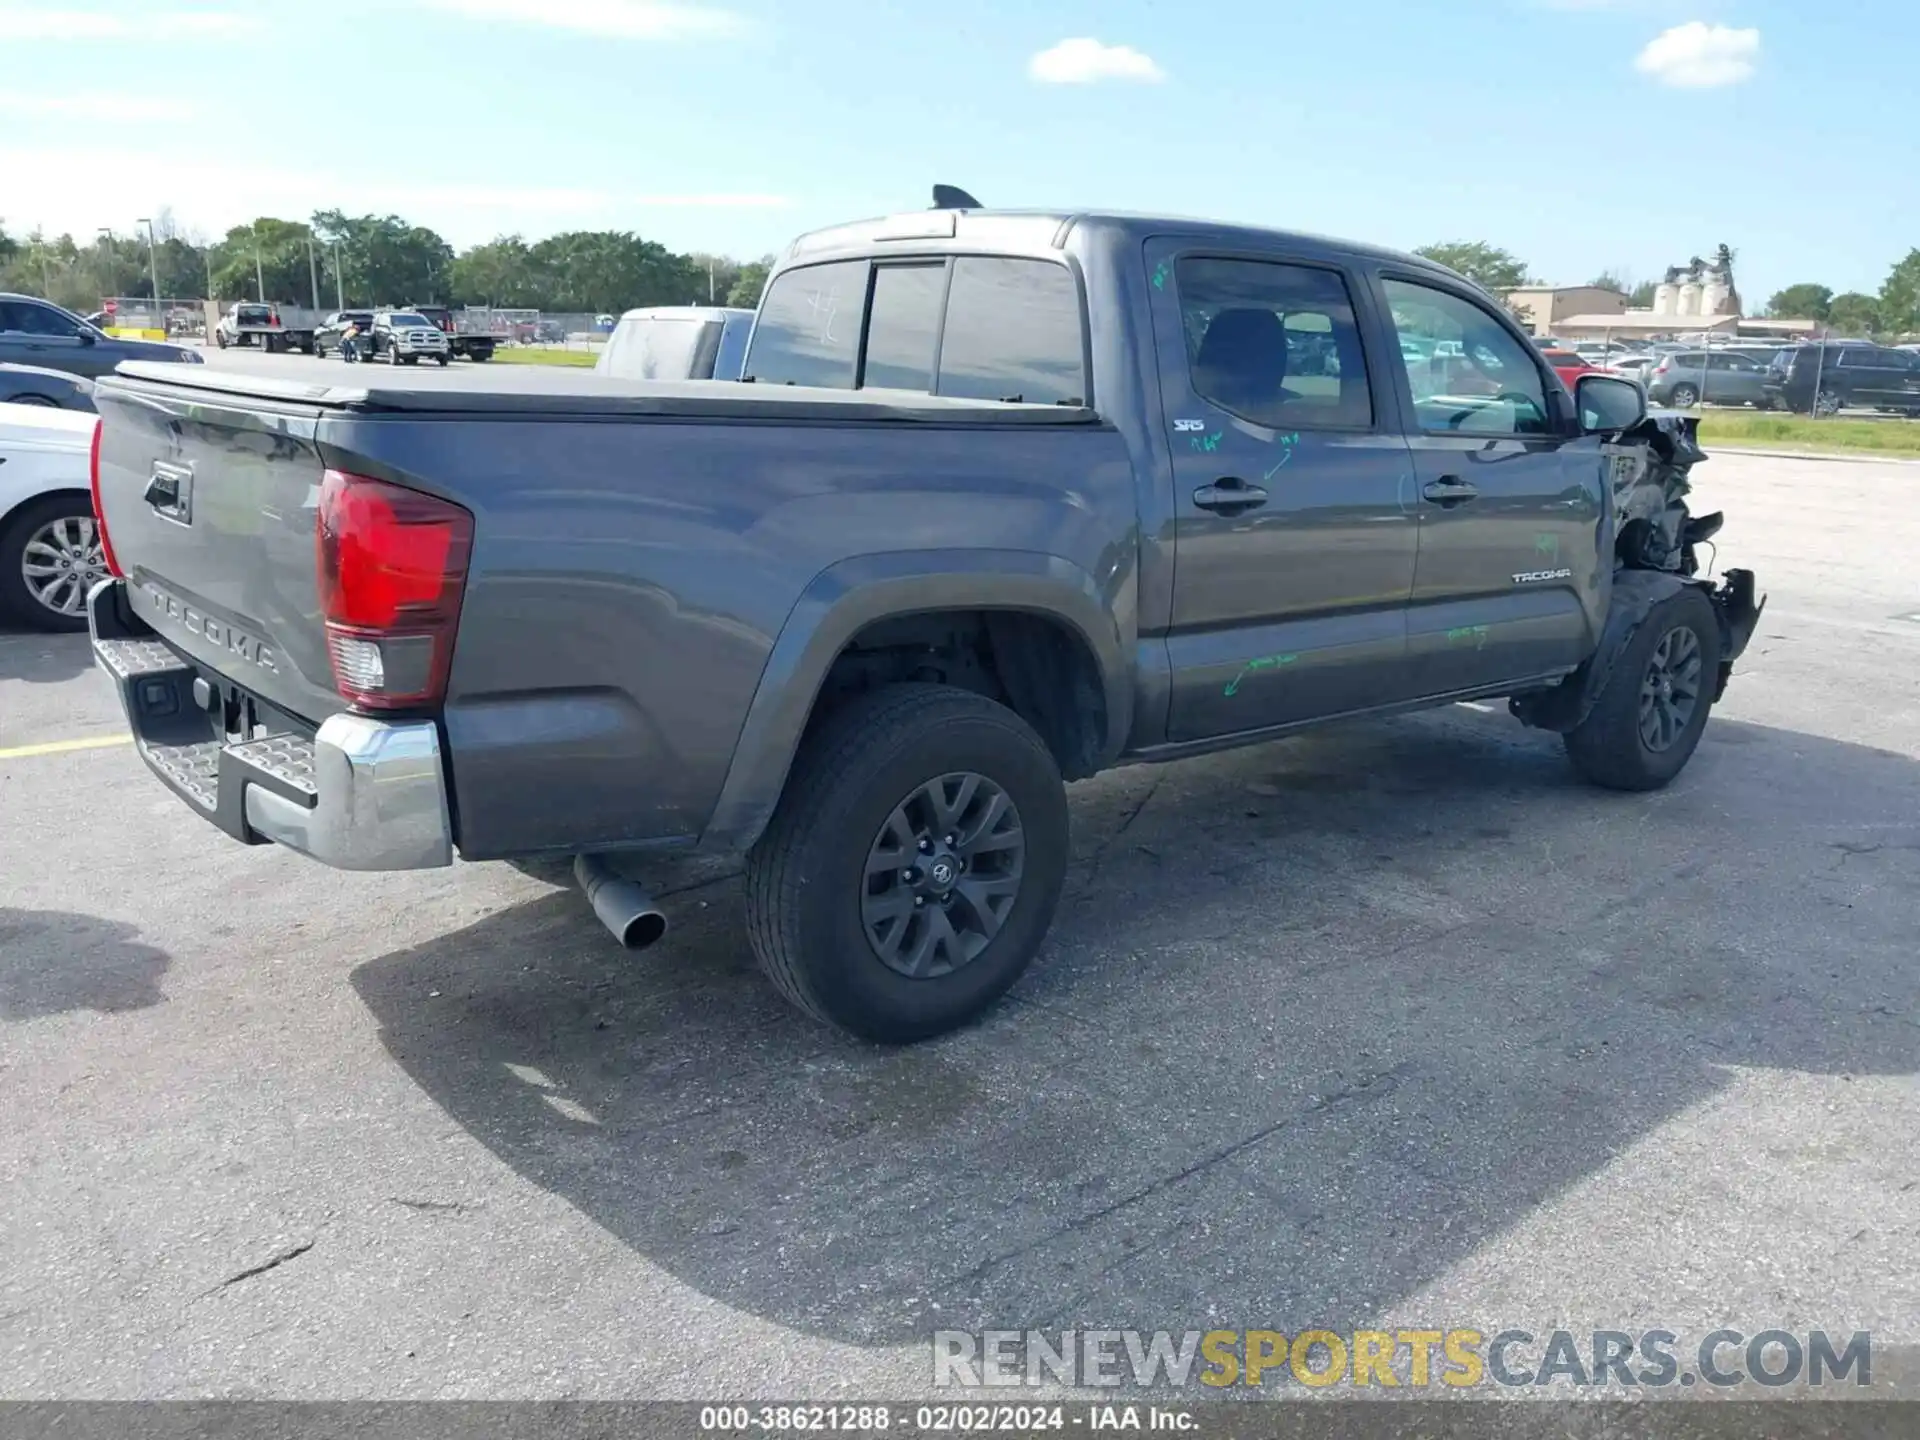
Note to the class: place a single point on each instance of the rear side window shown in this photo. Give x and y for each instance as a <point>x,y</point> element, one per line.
<point>1276,344</point>
<point>904,326</point>
<point>1013,333</point>
<point>808,332</point>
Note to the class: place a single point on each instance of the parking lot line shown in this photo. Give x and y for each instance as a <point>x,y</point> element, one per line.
<point>61,747</point>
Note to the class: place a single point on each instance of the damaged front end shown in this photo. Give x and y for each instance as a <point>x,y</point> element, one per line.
<point>1656,544</point>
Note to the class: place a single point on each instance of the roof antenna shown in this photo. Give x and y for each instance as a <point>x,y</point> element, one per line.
<point>952,197</point>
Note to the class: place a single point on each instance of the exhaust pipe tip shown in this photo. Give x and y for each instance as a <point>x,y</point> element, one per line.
<point>622,905</point>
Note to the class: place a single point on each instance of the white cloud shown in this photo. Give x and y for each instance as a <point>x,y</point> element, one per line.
<point>115,106</point>
<point>35,22</point>
<point>1698,56</point>
<point>614,19</point>
<point>1082,61</point>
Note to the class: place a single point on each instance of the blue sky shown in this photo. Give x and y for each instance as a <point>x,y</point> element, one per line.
<point>1581,134</point>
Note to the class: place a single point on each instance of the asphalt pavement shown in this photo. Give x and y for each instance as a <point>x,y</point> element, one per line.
<point>1392,1025</point>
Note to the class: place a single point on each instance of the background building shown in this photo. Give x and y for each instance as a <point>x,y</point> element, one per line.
<point>1543,307</point>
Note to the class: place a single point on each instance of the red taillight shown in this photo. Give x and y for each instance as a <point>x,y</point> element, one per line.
<point>99,512</point>
<point>392,568</point>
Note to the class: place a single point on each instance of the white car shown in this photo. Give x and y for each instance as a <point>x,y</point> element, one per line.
<point>50,552</point>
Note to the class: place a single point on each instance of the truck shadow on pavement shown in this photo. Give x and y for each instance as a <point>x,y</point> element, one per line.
<point>1316,1022</point>
<point>42,659</point>
<point>52,962</point>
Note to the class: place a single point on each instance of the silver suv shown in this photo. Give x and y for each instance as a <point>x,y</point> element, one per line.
<point>401,337</point>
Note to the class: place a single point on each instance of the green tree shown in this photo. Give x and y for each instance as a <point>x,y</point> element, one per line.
<point>1900,298</point>
<point>269,253</point>
<point>747,285</point>
<point>1805,301</point>
<point>1854,314</point>
<point>721,270</point>
<point>598,271</point>
<point>1609,280</point>
<point>496,273</point>
<point>1486,265</point>
<point>383,260</point>
<point>1642,296</point>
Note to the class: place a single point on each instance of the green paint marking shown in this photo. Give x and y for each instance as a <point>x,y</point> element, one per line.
<point>1548,545</point>
<point>1264,662</point>
<point>1286,443</point>
<point>1208,443</point>
<point>1160,276</point>
<point>1463,634</point>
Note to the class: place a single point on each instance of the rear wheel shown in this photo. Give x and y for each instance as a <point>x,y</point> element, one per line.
<point>34,400</point>
<point>1649,715</point>
<point>1684,397</point>
<point>913,865</point>
<point>50,557</point>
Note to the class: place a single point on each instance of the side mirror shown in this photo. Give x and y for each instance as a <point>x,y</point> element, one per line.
<point>87,337</point>
<point>1608,403</point>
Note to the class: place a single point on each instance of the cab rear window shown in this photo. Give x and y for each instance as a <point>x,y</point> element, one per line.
<point>978,327</point>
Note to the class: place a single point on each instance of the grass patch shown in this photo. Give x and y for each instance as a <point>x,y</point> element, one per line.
<point>528,355</point>
<point>1800,432</point>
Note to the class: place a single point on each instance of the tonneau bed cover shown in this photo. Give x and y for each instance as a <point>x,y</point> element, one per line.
<point>505,390</point>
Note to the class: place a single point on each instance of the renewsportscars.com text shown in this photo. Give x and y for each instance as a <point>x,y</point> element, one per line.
<point>1450,1359</point>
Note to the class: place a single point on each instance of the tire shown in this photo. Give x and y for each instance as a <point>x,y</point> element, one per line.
<point>808,878</point>
<point>443,361</point>
<point>70,512</point>
<point>1827,404</point>
<point>1684,397</point>
<point>34,400</point>
<point>319,351</point>
<point>393,356</point>
<point>1611,748</point>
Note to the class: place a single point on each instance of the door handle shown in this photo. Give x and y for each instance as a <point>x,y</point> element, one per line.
<point>1230,495</point>
<point>1449,490</point>
<point>163,491</point>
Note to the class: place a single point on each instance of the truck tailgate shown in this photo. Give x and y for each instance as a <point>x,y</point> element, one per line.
<point>209,504</point>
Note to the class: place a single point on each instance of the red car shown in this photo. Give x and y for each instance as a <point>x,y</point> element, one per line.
<point>1567,365</point>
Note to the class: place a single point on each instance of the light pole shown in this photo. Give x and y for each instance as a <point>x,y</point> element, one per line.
<point>313,271</point>
<point>259,271</point>
<point>113,260</point>
<point>339,290</point>
<point>153,269</point>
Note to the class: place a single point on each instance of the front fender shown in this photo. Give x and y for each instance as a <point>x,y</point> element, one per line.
<point>1635,594</point>
<point>845,598</point>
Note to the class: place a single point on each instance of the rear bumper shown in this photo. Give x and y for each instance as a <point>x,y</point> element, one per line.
<point>359,794</point>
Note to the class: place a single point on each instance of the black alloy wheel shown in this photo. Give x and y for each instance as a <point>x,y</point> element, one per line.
<point>942,875</point>
<point>1670,689</point>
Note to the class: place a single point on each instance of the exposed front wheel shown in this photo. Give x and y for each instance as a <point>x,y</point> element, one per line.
<point>913,865</point>
<point>393,356</point>
<point>50,557</point>
<point>1826,403</point>
<point>1649,715</point>
<point>442,360</point>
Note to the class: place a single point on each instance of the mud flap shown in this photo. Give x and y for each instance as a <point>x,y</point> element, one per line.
<point>1635,594</point>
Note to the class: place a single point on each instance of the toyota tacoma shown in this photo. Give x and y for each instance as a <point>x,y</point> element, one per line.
<point>1008,499</point>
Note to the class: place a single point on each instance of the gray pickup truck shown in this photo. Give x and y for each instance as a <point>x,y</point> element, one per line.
<point>1008,499</point>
